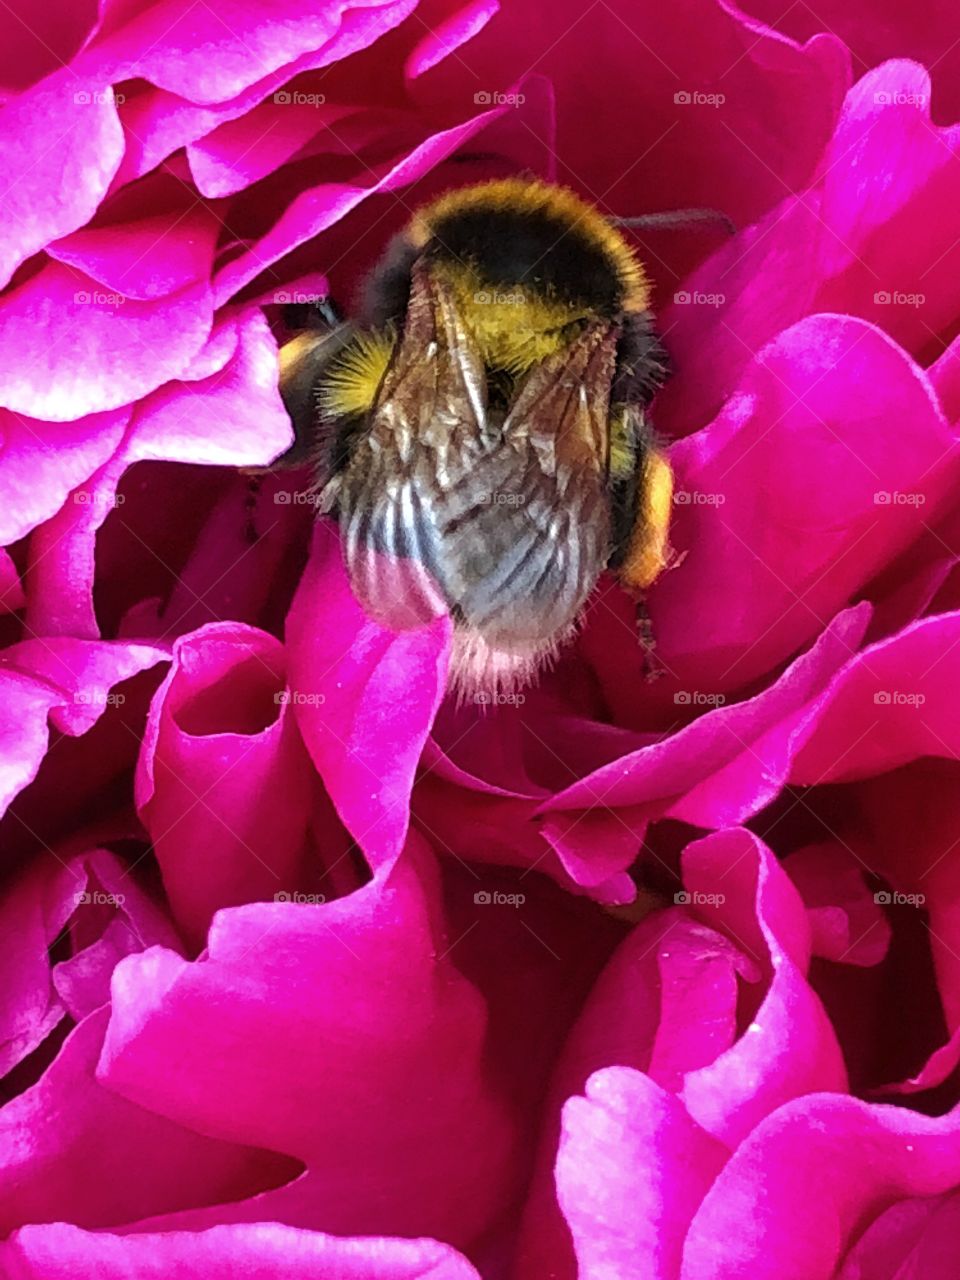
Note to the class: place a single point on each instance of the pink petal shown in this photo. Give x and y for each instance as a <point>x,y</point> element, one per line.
<point>41,39</point>
<point>181,422</point>
<point>358,994</point>
<point>800,491</point>
<point>631,1171</point>
<point>789,1048</point>
<point>209,56</point>
<point>72,348</point>
<point>41,462</point>
<point>760,1220</point>
<point>848,245</point>
<point>893,702</point>
<point>61,145</point>
<point>260,1251</point>
<point>912,1240</point>
<point>223,781</point>
<point>157,123</point>
<point>847,925</point>
<point>365,699</point>
<point>763,140</point>
<point>85,672</point>
<point>445,38</point>
<point>156,241</point>
<point>242,151</point>
<point>70,1147</point>
<point>319,207</point>
<point>11,588</point>
<point>717,771</point>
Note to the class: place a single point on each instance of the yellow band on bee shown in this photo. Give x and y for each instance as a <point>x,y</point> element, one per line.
<point>650,546</point>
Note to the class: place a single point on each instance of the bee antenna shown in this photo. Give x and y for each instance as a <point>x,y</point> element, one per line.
<point>671,218</point>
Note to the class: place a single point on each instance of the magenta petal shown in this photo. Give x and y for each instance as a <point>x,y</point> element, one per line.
<point>260,1251</point>
<point>847,924</point>
<point>666,1002</point>
<point>894,702</point>
<point>157,123</point>
<point>207,55</point>
<point>181,422</point>
<point>88,903</point>
<point>133,921</point>
<point>11,588</point>
<point>242,151</point>
<point>357,994</point>
<point>223,780</point>
<point>717,771</point>
<point>848,245</point>
<point>365,699</point>
<point>150,255</point>
<point>318,208</point>
<point>443,39</point>
<point>61,144</point>
<point>85,671</point>
<point>789,1048</point>
<point>760,1218</point>
<point>41,39</point>
<point>23,729</point>
<point>631,1171</point>
<point>29,1009</point>
<point>71,347</point>
<point>70,1147</point>
<point>912,1240</point>
<point>41,462</point>
<point>795,496</point>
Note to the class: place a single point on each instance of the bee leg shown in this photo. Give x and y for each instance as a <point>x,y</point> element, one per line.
<point>653,668</point>
<point>645,547</point>
<point>250,502</point>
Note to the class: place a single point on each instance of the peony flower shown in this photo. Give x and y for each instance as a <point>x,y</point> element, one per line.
<point>310,971</point>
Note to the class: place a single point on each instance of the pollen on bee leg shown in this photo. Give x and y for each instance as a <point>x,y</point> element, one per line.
<point>649,552</point>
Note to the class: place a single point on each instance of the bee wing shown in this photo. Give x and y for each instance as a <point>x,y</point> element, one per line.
<point>426,431</point>
<point>543,537</point>
<point>505,523</point>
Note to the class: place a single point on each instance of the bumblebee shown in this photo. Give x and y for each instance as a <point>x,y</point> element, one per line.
<point>481,435</point>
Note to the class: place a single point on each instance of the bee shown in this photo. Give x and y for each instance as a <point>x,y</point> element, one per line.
<point>482,434</point>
